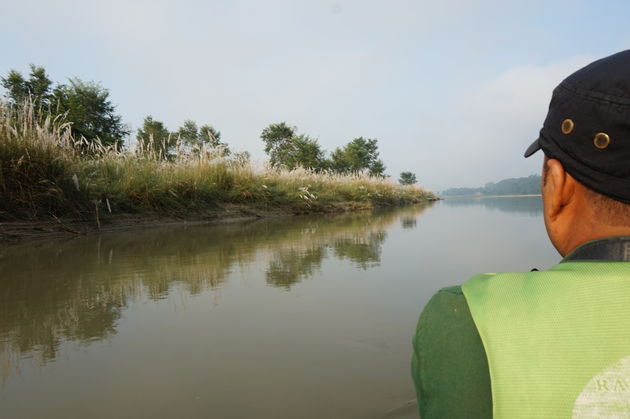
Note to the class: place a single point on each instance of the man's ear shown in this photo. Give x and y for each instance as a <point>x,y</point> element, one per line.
<point>559,188</point>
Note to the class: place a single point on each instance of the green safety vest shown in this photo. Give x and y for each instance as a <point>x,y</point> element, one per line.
<point>557,341</point>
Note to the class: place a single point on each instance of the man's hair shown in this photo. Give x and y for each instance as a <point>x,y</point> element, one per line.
<point>609,210</point>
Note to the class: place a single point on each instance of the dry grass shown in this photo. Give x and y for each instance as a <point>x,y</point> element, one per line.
<point>45,172</point>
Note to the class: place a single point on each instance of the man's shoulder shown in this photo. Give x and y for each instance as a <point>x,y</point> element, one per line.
<point>448,298</point>
<point>454,290</point>
<point>447,305</point>
<point>449,360</point>
<point>453,296</point>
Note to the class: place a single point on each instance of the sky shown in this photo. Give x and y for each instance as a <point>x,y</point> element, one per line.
<point>453,90</point>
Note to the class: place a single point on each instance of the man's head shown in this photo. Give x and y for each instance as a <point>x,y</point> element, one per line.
<point>586,141</point>
<point>575,214</point>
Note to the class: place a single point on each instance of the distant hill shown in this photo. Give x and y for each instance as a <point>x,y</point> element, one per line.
<point>514,186</point>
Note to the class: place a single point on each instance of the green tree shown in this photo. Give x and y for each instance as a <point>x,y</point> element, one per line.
<point>302,151</point>
<point>195,137</point>
<point>407,178</point>
<point>358,155</point>
<point>36,88</point>
<point>154,139</point>
<point>377,169</point>
<point>286,148</point>
<point>88,107</point>
<point>209,135</point>
<point>39,86</point>
<point>15,84</point>
<point>189,133</point>
<point>277,137</point>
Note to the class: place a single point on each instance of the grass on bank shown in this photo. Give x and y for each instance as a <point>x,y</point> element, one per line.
<point>45,172</point>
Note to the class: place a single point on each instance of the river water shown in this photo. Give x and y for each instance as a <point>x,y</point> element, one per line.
<point>306,317</point>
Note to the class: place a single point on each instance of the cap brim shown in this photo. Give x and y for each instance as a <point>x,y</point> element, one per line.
<point>534,147</point>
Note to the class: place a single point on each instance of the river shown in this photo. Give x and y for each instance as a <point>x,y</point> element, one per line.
<point>305,317</point>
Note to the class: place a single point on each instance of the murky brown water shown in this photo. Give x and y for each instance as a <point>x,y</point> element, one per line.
<point>294,318</point>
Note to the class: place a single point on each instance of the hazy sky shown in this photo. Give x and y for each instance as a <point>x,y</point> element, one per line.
<point>453,90</point>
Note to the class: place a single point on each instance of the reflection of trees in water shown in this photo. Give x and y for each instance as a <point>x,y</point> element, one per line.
<point>408,222</point>
<point>530,205</point>
<point>76,290</point>
<point>364,251</point>
<point>290,266</point>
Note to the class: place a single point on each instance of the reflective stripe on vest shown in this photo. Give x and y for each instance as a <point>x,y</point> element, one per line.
<point>557,341</point>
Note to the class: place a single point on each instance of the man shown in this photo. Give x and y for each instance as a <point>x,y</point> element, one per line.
<point>555,343</point>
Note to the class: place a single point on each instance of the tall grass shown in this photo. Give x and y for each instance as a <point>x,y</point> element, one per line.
<point>46,172</point>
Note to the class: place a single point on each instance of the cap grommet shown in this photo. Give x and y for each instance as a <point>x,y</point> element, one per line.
<point>601,140</point>
<point>567,126</point>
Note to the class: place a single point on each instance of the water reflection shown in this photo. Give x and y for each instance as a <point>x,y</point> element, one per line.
<point>77,290</point>
<point>363,250</point>
<point>293,265</point>
<point>527,205</point>
<point>408,222</point>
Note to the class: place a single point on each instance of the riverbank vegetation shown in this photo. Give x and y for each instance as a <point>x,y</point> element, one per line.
<point>62,154</point>
<point>47,172</point>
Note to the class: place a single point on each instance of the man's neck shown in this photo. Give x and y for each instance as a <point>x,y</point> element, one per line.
<point>615,248</point>
<point>583,235</point>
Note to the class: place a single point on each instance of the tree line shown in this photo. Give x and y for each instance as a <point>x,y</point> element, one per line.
<point>529,185</point>
<point>86,104</point>
<point>89,109</point>
<point>287,148</point>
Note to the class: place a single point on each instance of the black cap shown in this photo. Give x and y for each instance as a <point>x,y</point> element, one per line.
<point>588,126</point>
